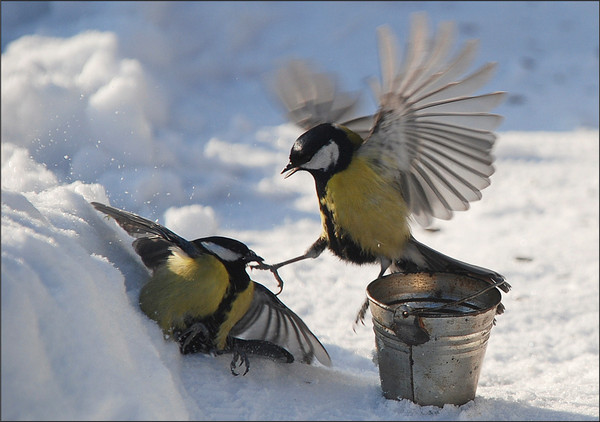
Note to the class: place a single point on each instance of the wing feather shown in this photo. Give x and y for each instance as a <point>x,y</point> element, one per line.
<point>445,76</point>
<point>433,136</point>
<point>480,103</point>
<point>474,121</point>
<point>416,54</point>
<point>458,160</point>
<point>464,87</point>
<point>440,50</point>
<point>153,241</point>
<point>311,98</point>
<point>270,320</point>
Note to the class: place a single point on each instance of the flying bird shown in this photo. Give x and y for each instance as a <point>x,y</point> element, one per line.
<point>425,153</point>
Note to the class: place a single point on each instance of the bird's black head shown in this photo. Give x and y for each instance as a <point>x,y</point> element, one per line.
<point>229,250</point>
<point>322,150</point>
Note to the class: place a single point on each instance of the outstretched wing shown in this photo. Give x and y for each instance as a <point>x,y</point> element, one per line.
<point>270,320</point>
<point>432,136</point>
<point>312,98</point>
<point>153,242</point>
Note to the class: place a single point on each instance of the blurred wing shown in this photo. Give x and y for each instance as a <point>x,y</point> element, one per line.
<point>432,137</point>
<point>311,98</point>
<point>153,242</point>
<point>270,320</point>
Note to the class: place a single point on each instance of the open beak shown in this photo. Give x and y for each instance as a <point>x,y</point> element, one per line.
<point>252,257</point>
<point>289,170</point>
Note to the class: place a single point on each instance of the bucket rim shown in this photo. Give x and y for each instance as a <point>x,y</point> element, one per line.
<point>495,302</point>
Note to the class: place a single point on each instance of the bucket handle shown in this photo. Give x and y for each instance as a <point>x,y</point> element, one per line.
<point>408,325</point>
<point>409,328</point>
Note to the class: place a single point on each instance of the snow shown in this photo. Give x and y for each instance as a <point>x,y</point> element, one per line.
<point>163,109</point>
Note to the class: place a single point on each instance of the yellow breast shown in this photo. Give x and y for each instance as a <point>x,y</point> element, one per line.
<point>184,287</point>
<point>368,208</point>
<point>239,307</point>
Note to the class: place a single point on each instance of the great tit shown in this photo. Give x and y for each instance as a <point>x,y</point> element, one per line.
<point>202,297</point>
<point>425,154</point>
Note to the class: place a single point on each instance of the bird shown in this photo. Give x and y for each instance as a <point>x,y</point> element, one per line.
<point>425,153</point>
<point>201,296</point>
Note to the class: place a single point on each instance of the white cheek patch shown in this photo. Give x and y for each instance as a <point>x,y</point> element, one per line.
<point>223,253</point>
<point>327,156</point>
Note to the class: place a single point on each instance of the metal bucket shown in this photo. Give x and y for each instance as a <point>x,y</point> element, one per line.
<point>431,341</point>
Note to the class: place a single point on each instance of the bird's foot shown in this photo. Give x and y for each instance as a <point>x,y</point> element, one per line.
<point>195,339</point>
<point>273,269</point>
<point>242,357</point>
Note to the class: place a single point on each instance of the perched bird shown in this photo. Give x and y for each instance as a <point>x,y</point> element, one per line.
<point>425,154</point>
<point>202,297</point>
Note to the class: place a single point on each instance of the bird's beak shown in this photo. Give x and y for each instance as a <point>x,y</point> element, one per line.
<point>289,169</point>
<point>254,258</point>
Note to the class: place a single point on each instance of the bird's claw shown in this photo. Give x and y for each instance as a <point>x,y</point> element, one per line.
<point>243,359</point>
<point>191,334</point>
<point>360,316</point>
<point>273,269</point>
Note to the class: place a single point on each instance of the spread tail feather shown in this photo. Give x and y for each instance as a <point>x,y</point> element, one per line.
<point>418,257</point>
